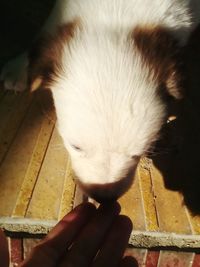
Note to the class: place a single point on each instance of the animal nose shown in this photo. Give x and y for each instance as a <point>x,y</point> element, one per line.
<point>110,191</point>
<point>101,193</point>
<point>104,194</point>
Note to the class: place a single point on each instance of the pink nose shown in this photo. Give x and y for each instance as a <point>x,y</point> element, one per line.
<point>108,192</point>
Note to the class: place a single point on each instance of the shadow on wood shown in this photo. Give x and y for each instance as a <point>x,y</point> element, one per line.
<point>177,152</point>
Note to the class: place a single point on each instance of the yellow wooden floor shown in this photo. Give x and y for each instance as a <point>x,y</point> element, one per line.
<point>37,187</point>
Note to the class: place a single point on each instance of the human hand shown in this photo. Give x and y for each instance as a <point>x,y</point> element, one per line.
<point>85,237</point>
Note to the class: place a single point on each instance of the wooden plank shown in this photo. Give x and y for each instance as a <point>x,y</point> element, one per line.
<point>196,261</point>
<point>175,259</point>
<point>28,245</point>
<point>68,193</point>
<point>139,254</point>
<point>34,166</point>
<point>11,122</point>
<point>132,205</point>
<point>14,167</point>
<point>195,223</point>
<point>79,197</point>
<point>48,192</point>
<point>6,106</point>
<point>171,213</point>
<point>16,251</point>
<point>152,258</point>
<point>148,195</point>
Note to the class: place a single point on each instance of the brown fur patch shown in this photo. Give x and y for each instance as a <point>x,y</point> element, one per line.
<point>160,51</point>
<point>45,56</point>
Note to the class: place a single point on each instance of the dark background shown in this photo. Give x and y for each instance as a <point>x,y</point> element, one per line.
<point>20,21</point>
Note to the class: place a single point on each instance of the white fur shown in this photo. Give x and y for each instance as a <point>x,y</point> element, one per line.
<point>105,102</point>
<point>106,106</point>
<point>124,15</point>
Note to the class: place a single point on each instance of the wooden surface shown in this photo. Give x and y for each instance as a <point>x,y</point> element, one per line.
<point>37,186</point>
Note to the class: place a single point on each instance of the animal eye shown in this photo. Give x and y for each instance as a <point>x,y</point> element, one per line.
<point>77,148</point>
<point>135,157</point>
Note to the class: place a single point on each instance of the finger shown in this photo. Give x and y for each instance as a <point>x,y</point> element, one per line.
<point>4,254</point>
<point>67,229</point>
<point>47,252</point>
<point>129,262</point>
<point>115,244</point>
<point>86,246</point>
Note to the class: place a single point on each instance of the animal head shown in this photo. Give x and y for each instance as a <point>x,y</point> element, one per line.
<point>109,92</point>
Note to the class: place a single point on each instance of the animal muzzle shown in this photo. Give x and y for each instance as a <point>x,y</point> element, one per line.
<point>109,191</point>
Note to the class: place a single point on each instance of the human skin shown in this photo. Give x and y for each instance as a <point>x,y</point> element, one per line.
<point>85,237</point>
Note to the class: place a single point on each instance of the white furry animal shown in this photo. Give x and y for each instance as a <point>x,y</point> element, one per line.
<point>110,65</point>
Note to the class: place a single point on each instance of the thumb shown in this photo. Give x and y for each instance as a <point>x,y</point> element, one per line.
<point>4,254</point>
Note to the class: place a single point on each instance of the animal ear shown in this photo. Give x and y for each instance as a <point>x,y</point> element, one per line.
<point>160,51</point>
<point>45,56</point>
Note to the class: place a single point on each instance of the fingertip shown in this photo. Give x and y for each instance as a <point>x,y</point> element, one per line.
<point>86,209</point>
<point>69,226</point>
<point>85,205</point>
<point>125,222</point>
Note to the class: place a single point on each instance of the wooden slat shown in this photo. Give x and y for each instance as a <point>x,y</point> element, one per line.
<point>10,105</point>
<point>148,195</point>
<point>46,198</point>
<point>16,251</point>
<point>14,167</point>
<point>12,120</point>
<point>68,193</point>
<point>171,213</point>
<point>79,197</point>
<point>175,259</point>
<point>132,205</point>
<point>196,261</point>
<point>28,245</point>
<point>152,258</point>
<point>195,223</point>
<point>139,254</point>
<point>33,168</point>
<point>6,106</point>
